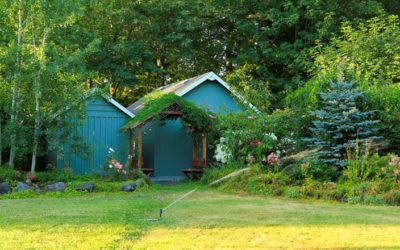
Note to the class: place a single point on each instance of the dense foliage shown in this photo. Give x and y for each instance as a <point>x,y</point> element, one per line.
<point>279,55</point>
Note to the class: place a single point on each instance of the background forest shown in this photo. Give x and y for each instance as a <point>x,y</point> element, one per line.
<point>278,54</point>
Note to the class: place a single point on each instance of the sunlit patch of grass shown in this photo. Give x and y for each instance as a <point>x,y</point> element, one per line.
<point>207,219</point>
<point>274,237</point>
<point>61,237</point>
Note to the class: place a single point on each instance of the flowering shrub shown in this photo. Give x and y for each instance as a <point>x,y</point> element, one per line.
<point>273,159</point>
<point>31,177</point>
<point>395,165</point>
<point>370,167</point>
<point>246,138</point>
<point>222,152</point>
<point>117,169</point>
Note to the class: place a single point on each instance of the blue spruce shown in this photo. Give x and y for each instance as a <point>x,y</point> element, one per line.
<point>340,123</point>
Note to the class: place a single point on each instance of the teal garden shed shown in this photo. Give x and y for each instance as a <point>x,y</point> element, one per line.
<point>165,147</point>
<point>100,131</point>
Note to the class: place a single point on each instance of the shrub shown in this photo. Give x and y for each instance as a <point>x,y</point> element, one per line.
<point>374,200</point>
<point>9,174</point>
<point>295,174</point>
<point>392,197</point>
<point>360,189</point>
<point>318,171</point>
<point>57,175</point>
<point>218,172</point>
<point>365,167</point>
<point>331,191</point>
<point>312,188</point>
<point>292,192</point>
<point>354,199</point>
<point>249,137</point>
<point>116,170</point>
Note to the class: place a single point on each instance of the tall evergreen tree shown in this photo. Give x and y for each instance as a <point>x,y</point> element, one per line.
<point>340,124</point>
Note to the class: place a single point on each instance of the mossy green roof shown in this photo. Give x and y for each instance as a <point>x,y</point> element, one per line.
<point>156,103</point>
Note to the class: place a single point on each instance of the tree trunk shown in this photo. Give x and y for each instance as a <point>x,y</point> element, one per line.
<point>37,90</point>
<point>36,132</point>
<point>14,112</point>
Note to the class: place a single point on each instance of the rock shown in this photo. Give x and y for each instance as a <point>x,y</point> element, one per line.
<point>139,183</point>
<point>128,187</point>
<point>79,187</point>
<point>4,188</point>
<point>88,187</point>
<point>23,187</point>
<point>56,187</point>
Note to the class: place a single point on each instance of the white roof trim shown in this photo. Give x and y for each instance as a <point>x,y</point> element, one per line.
<point>212,77</point>
<point>119,106</point>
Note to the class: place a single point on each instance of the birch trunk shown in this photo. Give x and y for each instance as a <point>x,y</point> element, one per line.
<point>35,133</point>
<point>37,90</point>
<point>14,112</point>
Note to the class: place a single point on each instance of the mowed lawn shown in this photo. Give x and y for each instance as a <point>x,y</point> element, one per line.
<point>207,219</point>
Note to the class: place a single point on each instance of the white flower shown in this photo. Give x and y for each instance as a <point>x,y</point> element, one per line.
<point>110,166</point>
<point>272,136</point>
<point>222,152</point>
<point>111,150</point>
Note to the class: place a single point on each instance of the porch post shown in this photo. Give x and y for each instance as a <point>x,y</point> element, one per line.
<point>140,148</point>
<point>194,154</point>
<point>204,142</point>
<point>132,150</point>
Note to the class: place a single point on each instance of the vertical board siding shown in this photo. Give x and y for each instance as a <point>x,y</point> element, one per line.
<point>213,96</point>
<point>100,131</point>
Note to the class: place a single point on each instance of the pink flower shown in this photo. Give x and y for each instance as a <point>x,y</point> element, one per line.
<point>394,160</point>
<point>272,158</point>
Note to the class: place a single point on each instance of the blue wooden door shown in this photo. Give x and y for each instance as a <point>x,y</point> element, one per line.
<point>173,149</point>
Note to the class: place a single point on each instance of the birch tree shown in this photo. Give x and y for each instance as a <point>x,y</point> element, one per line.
<point>14,111</point>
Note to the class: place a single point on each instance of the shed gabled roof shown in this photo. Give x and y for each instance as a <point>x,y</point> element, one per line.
<point>118,106</point>
<point>183,87</point>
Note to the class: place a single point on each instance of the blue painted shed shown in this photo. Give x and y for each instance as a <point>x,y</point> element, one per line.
<point>101,130</point>
<point>167,147</point>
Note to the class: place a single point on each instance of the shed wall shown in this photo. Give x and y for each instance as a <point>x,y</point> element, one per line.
<point>100,131</point>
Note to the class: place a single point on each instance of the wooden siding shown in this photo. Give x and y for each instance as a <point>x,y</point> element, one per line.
<point>213,96</point>
<point>100,130</point>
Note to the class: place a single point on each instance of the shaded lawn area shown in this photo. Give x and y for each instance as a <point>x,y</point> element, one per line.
<point>206,219</point>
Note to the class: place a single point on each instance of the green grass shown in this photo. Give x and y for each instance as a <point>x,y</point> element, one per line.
<point>206,219</point>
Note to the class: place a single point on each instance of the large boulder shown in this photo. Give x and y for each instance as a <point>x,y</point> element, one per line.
<point>56,187</point>
<point>128,187</point>
<point>88,187</point>
<point>4,188</point>
<point>23,187</point>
